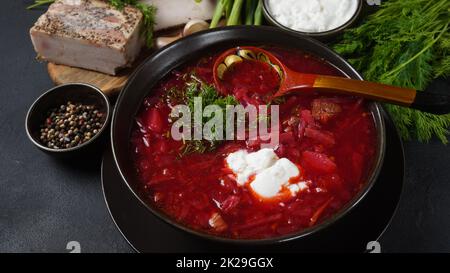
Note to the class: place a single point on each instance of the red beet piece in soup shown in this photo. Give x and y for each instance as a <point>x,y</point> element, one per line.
<point>331,139</point>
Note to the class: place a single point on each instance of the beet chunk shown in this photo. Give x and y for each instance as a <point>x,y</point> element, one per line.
<point>318,162</point>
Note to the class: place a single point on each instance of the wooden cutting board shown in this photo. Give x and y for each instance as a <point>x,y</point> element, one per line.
<point>110,85</point>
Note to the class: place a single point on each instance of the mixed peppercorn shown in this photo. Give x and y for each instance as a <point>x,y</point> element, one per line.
<point>70,125</point>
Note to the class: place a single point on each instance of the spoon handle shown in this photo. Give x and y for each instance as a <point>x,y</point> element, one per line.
<point>370,90</point>
<point>424,101</point>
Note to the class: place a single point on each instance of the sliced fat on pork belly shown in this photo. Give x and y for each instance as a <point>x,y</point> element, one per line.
<point>89,34</point>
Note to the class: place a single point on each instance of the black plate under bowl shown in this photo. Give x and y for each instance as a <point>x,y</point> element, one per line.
<point>147,233</point>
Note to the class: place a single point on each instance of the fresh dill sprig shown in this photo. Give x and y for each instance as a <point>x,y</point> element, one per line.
<point>405,43</point>
<point>148,14</point>
<point>38,3</point>
<point>210,96</point>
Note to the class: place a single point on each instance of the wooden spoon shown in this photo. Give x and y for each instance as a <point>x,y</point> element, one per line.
<point>292,81</point>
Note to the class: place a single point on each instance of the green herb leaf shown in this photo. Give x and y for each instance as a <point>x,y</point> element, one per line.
<point>39,3</point>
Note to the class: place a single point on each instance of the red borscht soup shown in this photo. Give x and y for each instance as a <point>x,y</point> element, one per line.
<point>327,145</point>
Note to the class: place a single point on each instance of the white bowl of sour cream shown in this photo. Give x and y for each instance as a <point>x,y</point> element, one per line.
<point>320,18</point>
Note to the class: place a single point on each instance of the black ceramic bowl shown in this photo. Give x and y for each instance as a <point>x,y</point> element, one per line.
<point>59,95</point>
<point>193,47</point>
<point>323,35</point>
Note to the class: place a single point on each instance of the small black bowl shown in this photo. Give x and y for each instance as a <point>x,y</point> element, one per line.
<point>59,95</point>
<point>323,35</point>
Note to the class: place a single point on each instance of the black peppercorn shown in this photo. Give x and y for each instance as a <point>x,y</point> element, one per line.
<point>71,125</point>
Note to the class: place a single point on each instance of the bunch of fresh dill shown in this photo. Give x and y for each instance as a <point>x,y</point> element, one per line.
<point>148,14</point>
<point>405,43</point>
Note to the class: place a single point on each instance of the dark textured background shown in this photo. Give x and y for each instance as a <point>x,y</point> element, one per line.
<point>45,204</point>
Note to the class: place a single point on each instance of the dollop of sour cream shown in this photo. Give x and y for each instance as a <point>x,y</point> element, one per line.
<point>312,15</point>
<point>266,174</point>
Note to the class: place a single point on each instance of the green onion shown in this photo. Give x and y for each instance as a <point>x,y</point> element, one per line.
<point>228,4</point>
<point>250,6</point>
<point>235,14</point>
<point>258,14</point>
<point>218,12</point>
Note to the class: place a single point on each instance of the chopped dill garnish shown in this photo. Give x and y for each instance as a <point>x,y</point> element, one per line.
<point>195,88</point>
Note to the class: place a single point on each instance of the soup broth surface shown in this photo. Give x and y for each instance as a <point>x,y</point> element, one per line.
<point>330,138</point>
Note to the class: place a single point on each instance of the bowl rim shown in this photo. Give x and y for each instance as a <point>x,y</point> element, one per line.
<point>54,89</point>
<point>319,34</point>
<point>376,113</point>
